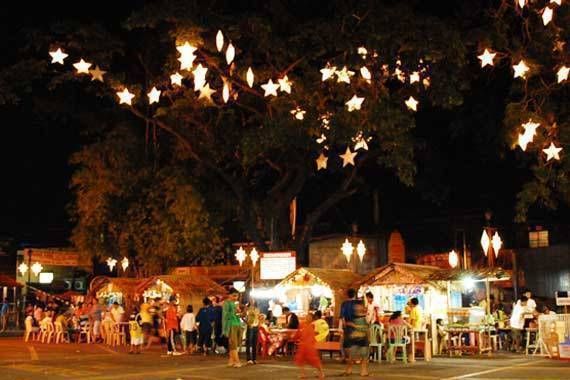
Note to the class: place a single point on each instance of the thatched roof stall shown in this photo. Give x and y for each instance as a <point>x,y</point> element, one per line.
<point>307,284</point>
<point>117,289</point>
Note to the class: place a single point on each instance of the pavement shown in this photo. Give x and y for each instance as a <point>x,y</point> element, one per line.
<point>19,360</point>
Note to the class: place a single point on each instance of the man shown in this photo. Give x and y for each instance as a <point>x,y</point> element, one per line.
<point>171,326</point>
<point>530,303</point>
<point>517,322</point>
<point>231,327</point>
<point>95,316</point>
<point>372,310</point>
<point>4,314</point>
<point>204,319</point>
<point>215,311</point>
<point>416,314</point>
<point>291,319</point>
<point>355,333</point>
<point>117,312</point>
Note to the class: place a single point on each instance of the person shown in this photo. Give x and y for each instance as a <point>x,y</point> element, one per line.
<point>291,319</point>
<point>546,310</point>
<point>372,310</point>
<point>136,334</point>
<point>442,336</point>
<point>263,335</point>
<point>252,332</point>
<point>204,319</point>
<point>231,327</point>
<point>416,314</point>
<point>4,314</point>
<point>188,329</point>
<point>307,351</point>
<point>530,303</point>
<point>320,326</point>
<point>221,344</point>
<point>146,322</point>
<point>517,322</point>
<point>356,331</point>
<point>95,317</point>
<point>171,326</point>
<point>117,312</point>
<point>38,314</point>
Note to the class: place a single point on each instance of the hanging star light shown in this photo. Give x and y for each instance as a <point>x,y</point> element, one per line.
<point>176,79</point>
<point>187,55</point>
<point>125,263</point>
<point>557,2</point>
<point>547,15</point>
<point>487,58</point>
<point>230,54</point>
<point>111,262</point>
<point>360,141</point>
<point>82,67</point>
<point>125,97</point>
<point>530,128</point>
<point>97,74</point>
<point>199,76</point>
<point>249,77</point>
<point>240,255</point>
<point>521,3</point>
<point>206,92</point>
<point>347,249</point>
<point>23,268</point>
<point>362,52</point>
<point>344,75</point>
<point>485,242</point>
<point>226,92</point>
<point>523,141</point>
<point>520,69</point>
<point>285,84</point>
<point>58,56</point>
<point>348,157</point>
<point>327,72</point>
<point>298,113</point>
<point>366,75</point>
<point>426,82</point>
<point>355,103</point>
<point>219,40</point>
<point>552,152</point>
<point>321,139</point>
<point>254,256</point>
<point>414,77</point>
<point>400,75</point>
<point>270,88</point>
<point>412,103</point>
<point>361,250</point>
<point>37,268</point>
<point>497,243</point>
<point>154,95</point>
<point>562,74</point>
<point>321,162</point>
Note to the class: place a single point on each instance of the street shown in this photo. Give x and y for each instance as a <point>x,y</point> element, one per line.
<point>19,360</point>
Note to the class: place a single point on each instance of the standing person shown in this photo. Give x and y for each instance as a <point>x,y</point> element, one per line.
<point>372,310</point>
<point>4,314</point>
<point>95,317</point>
<point>530,303</point>
<point>307,351</point>
<point>136,334</point>
<point>205,318</point>
<point>220,342</point>
<point>188,329</point>
<point>355,344</point>
<point>171,326</point>
<point>517,322</point>
<point>252,333</point>
<point>117,312</point>
<point>416,314</point>
<point>231,327</point>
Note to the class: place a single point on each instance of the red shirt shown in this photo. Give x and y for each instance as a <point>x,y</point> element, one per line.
<point>171,318</point>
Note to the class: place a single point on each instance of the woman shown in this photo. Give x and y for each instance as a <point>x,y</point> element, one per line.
<point>357,340</point>
<point>306,350</point>
<point>321,327</point>
<point>252,333</point>
<point>263,335</point>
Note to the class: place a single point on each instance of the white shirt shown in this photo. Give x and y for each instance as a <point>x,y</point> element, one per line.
<point>188,322</point>
<point>277,311</point>
<point>517,320</point>
<point>117,313</point>
<point>372,311</point>
<point>530,305</point>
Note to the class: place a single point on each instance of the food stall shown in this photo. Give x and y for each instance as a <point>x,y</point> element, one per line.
<point>315,288</point>
<point>116,289</point>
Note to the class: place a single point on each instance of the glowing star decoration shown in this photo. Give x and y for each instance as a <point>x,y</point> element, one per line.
<point>360,142</point>
<point>285,84</point>
<point>125,97</point>
<point>327,72</point>
<point>298,113</point>
<point>187,56</point>
<point>400,75</point>
<point>321,162</point>
<point>58,56</point>
<point>426,82</point>
<point>412,103</point>
<point>230,54</point>
<point>199,77</point>
<point>497,243</point>
<point>520,69</point>
<point>97,74</point>
<point>562,74</point>
<point>270,88</point>
<point>347,249</point>
<point>206,93</point>
<point>37,268</point>
<point>219,40</point>
<point>557,2</point>
<point>521,3</point>
<point>240,255</point>
<point>249,77</point>
<point>414,77</point>
<point>82,67</point>
<point>111,262</point>
<point>523,141</point>
<point>344,75</point>
<point>23,268</point>
<point>125,263</point>
<point>485,242</point>
<point>487,58</point>
<point>226,92</point>
<point>361,250</point>
<point>321,139</point>
<point>547,15</point>
<point>176,79</point>
<point>453,259</point>
<point>355,103</point>
<point>552,152</point>
<point>254,256</point>
<point>365,74</point>
<point>153,96</point>
<point>348,157</point>
<point>362,52</point>
<point>530,128</point>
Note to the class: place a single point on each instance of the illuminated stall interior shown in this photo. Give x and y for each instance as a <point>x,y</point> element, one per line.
<point>122,290</point>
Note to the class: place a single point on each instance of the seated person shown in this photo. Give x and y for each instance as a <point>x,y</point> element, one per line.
<point>321,327</point>
<point>291,319</point>
<point>397,320</point>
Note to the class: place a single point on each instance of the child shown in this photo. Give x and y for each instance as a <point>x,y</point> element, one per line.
<point>307,351</point>
<point>136,334</point>
<point>441,336</point>
<point>188,329</point>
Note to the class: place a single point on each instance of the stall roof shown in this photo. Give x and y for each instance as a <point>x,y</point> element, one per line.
<point>181,283</point>
<point>477,274</point>
<point>9,281</point>
<point>401,274</point>
<point>123,284</point>
<point>335,278</point>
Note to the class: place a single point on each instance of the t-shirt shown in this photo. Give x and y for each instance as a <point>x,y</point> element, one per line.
<point>188,322</point>
<point>530,305</point>
<point>146,316</point>
<point>229,317</point>
<point>205,317</point>
<point>517,318</point>
<point>135,330</point>
<point>416,317</point>
<point>252,317</point>
<point>347,310</point>
<point>321,330</point>
<point>117,313</point>
<point>171,318</point>
<point>372,313</point>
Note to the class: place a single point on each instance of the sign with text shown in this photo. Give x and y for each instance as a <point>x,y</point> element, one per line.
<point>276,265</point>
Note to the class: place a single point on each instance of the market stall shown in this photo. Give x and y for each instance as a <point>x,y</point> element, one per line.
<point>315,288</point>
<point>116,289</point>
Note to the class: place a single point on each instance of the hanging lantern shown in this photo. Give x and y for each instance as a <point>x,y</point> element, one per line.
<point>497,243</point>
<point>453,259</point>
<point>125,263</point>
<point>240,255</point>
<point>111,262</point>
<point>360,250</point>
<point>347,249</point>
<point>485,242</point>
<point>37,268</point>
<point>254,256</point>
<point>23,268</point>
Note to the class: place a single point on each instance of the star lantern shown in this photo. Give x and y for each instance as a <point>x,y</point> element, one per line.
<point>562,74</point>
<point>219,40</point>
<point>547,15</point>
<point>58,56</point>
<point>487,58</point>
<point>355,103</point>
<point>153,96</point>
<point>362,52</point>
<point>426,82</point>
<point>226,92</point>
<point>347,249</point>
<point>249,77</point>
<point>557,2</point>
<point>285,84</point>
<point>321,162</point>
<point>414,77</point>
<point>344,75</point>
<point>327,72</point>
<point>520,69</point>
<point>523,141</point>
<point>485,242</point>
<point>453,259</point>
<point>270,88</point>
<point>82,67</point>
<point>254,256</point>
<point>199,76</point>
<point>360,142</point>
<point>552,152</point>
<point>400,75</point>
<point>37,268</point>
<point>366,74</point>
<point>321,139</point>
<point>125,97</point>
<point>348,157</point>
<point>298,113</point>
<point>530,128</point>
<point>230,54</point>
<point>111,262</point>
<point>97,74</point>
<point>497,243</point>
<point>206,93</point>
<point>176,79</point>
<point>125,263</point>
<point>521,3</point>
<point>23,268</point>
<point>187,56</point>
<point>412,103</point>
<point>240,255</point>
<point>361,250</point>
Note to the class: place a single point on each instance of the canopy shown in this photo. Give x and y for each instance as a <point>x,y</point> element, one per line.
<point>183,284</point>
<point>402,274</point>
<point>9,282</point>
<point>477,274</point>
<point>336,279</point>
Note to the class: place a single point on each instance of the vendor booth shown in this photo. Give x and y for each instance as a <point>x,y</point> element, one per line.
<point>116,289</point>
<point>315,288</point>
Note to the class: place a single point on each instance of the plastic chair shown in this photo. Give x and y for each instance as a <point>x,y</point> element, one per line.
<point>119,335</point>
<point>47,332</point>
<point>30,329</point>
<point>60,333</point>
<point>376,342</point>
<point>84,330</point>
<point>397,338</point>
<point>531,346</point>
<point>107,331</point>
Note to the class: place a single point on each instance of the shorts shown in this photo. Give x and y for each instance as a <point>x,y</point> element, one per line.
<point>235,337</point>
<point>191,337</point>
<point>137,341</point>
<point>358,352</point>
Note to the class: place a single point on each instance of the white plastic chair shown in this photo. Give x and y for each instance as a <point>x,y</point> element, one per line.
<point>60,333</point>
<point>84,330</point>
<point>47,331</point>
<point>30,329</point>
<point>397,338</point>
<point>376,342</point>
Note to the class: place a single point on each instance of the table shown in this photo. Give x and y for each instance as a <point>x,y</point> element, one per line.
<point>482,337</point>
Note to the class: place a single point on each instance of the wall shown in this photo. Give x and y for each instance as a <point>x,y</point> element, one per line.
<point>546,269</point>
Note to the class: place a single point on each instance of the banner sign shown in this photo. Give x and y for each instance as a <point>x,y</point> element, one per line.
<point>277,265</point>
